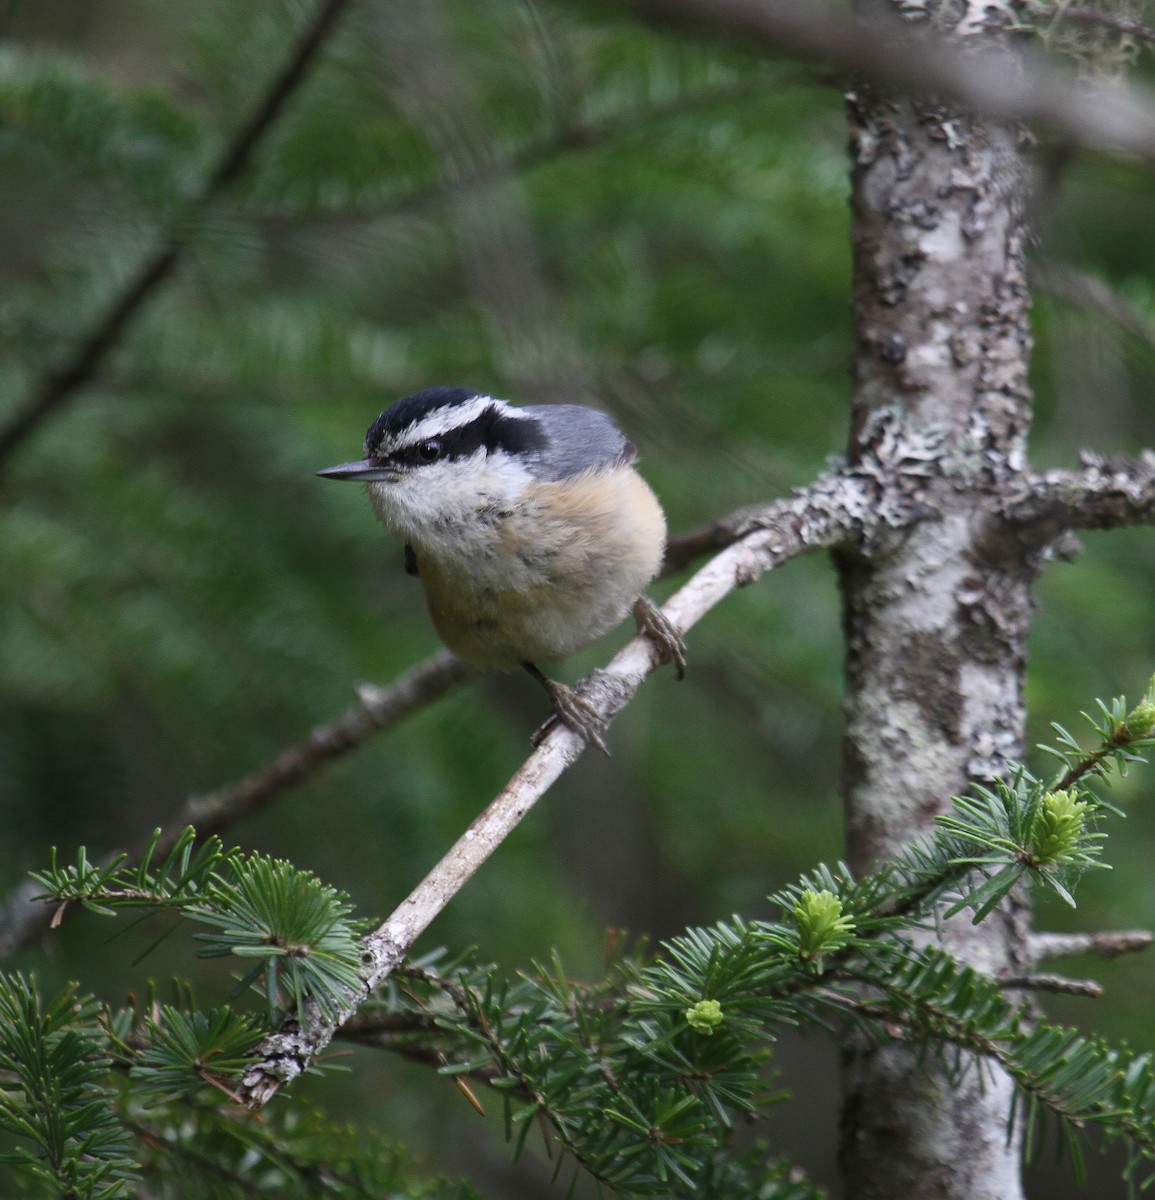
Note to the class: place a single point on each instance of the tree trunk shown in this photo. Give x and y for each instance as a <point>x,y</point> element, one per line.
<point>936,616</point>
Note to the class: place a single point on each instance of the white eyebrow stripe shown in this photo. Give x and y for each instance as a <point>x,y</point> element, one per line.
<point>442,420</point>
<point>445,420</point>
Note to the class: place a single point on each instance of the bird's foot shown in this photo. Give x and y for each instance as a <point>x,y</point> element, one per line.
<point>571,709</point>
<point>655,625</point>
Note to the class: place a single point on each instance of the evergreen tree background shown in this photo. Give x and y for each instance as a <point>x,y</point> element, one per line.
<point>544,201</point>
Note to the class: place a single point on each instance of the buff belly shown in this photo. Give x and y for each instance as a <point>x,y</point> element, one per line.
<point>547,576</point>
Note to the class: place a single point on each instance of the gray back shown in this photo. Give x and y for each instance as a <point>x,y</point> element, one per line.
<point>579,438</point>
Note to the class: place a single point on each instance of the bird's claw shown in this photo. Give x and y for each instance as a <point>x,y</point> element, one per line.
<point>571,709</point>
<point>654,624</point>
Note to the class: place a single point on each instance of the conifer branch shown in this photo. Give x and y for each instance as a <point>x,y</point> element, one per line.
<point>569,1053</point>
<point>61,385</point>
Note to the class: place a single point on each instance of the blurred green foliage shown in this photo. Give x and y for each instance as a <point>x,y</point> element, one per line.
<point>536,200</point>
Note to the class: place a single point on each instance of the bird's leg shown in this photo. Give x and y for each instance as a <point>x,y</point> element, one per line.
<point>662,632</point>
<point>571,710</point>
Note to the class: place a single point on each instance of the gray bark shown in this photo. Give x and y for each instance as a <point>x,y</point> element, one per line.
<point>936,615</point>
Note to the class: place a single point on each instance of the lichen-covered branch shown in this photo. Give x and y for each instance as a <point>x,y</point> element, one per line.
<point>1106,493</point>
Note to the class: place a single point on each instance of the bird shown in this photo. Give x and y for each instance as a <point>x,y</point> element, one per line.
<point>528,527</point>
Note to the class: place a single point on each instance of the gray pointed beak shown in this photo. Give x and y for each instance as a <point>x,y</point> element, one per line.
<point>359,472</point>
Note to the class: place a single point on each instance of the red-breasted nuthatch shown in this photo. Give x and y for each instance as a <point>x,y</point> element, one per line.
<point>529,529</point>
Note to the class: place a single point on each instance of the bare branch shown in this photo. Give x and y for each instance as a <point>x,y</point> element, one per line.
<point>982,79</point>
<point>577,135</point>
<point>684,549</point>
<point>1107,944</point>
<point>58,387</point>
<point>1057,984</point>
<point>381,1028</point>
<point>836,509</point>
<point>1105,494</point>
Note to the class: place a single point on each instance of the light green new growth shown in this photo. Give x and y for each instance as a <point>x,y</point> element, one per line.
<point>1058,827</point>
<point>1141,720</point>
<point>705,1016</point>
<point>822,927</point>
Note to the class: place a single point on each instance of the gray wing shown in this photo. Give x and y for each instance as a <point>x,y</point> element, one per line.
<point>578,438</point>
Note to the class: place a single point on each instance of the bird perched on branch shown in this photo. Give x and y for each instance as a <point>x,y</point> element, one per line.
<point>529,529</point>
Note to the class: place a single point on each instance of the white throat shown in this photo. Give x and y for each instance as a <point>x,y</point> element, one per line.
<point>439,505</point>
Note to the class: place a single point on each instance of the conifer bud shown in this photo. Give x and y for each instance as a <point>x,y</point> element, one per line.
<point>705,1016</point>
<point>1057,827</point>
<point>1141,720</point>
<point>821,925</point>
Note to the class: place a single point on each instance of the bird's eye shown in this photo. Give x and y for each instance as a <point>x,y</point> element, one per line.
<point>429,450</point>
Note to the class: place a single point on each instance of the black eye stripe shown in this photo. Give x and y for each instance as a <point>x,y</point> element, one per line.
<point>491,430</point>
<point>420,454</point>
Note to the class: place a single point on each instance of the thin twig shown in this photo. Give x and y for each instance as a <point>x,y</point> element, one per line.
<point>576,136</point>
<point>1107,944</point>
<point>58,387</point>
<point>1058,984</point>
<point>681,551</point>
<point>832,511</point>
